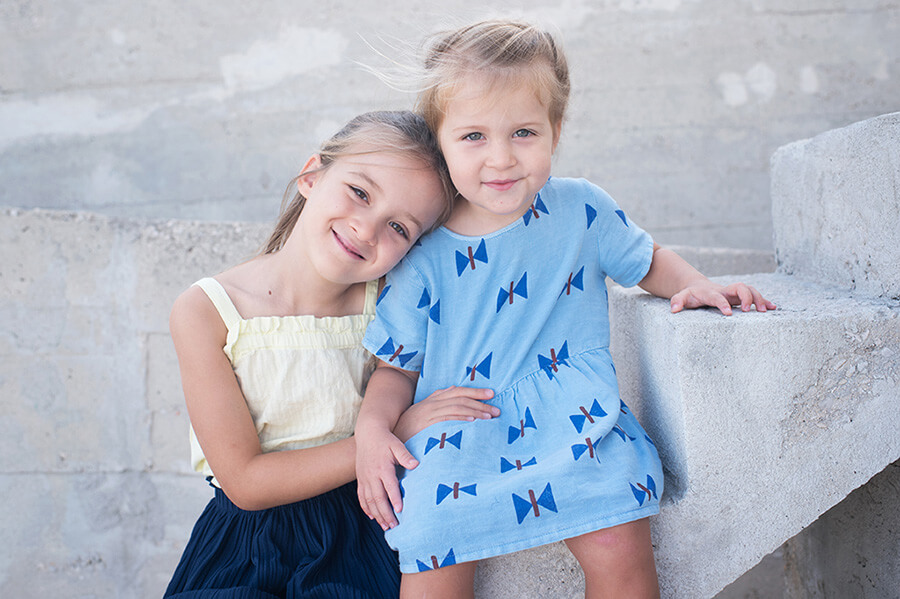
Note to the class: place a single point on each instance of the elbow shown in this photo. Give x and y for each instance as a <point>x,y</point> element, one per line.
<point>239,496</point>
<point>243,494</point>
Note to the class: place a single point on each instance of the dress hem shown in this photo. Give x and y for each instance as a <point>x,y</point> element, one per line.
<point>544,539</point>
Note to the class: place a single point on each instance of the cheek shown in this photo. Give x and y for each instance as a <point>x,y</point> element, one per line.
<point>392,255</point>
<point>461,173</point>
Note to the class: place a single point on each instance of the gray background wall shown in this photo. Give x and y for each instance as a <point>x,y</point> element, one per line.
<point>205,110</point>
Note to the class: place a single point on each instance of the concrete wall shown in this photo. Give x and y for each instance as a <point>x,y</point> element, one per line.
<point>94,475</point>
<point>170,109</point>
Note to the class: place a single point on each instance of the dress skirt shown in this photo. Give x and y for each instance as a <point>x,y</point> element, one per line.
<point>320,548</point>
<point>564,458</point>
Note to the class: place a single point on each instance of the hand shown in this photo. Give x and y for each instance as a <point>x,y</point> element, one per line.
<point>707,293</point>
<point>377,455</point>
<point>453,403</point>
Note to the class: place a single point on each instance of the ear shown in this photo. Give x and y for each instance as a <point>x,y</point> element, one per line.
<point>308,175</point>
<point>557,131</point>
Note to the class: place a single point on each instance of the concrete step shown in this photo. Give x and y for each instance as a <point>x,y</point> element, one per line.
<point>763,421</point>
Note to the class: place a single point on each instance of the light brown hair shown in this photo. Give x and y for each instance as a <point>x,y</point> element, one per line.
<point>402,132</point>
<point>507,51</point>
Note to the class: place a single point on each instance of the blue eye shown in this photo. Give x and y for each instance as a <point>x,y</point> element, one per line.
<point>474,136</point>
<point>361,194</point>
<point>523,133</point>
<point>399,229</point>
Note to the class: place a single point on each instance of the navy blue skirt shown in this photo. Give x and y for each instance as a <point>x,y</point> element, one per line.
<point>320,548</point>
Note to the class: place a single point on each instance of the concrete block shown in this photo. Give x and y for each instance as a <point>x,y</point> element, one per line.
<point>715,261</point>
<point>176,253</point>
<point>737,405</point>
<point>676,106</point>
<point>95,535</point>
<point>167,448</point>
<point>836,207</point>
<point>548,571</point>
<point>851,550</point>
<point>88,370</point>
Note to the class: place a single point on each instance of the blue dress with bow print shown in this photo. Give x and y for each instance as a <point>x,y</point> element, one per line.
<point>523,311</point>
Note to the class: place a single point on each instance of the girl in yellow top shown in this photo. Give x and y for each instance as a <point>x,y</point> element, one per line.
<point>273,373</point>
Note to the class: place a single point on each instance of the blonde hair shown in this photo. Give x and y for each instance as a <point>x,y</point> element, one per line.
<point>402,132</point>
<point>508,51</point>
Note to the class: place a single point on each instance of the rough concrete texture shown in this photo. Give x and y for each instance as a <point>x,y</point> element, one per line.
<point>836,208</point>
<point>737,407</point>
<point>177,110</point>
<point>853,549</point>
<point>97,491</point>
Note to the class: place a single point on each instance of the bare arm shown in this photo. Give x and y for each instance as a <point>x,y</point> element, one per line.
<point>220,418</point>
<point>390,391</point>
<point>671,277</point>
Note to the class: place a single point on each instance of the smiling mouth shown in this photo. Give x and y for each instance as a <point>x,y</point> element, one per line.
<point>349,249</point>
<point>500,185</point>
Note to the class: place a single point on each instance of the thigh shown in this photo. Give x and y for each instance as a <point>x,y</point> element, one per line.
<point>450,582</point>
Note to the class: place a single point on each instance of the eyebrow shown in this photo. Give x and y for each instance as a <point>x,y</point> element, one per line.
<point>415,220</point>
<point>523,125</point>
<point>369,180</point>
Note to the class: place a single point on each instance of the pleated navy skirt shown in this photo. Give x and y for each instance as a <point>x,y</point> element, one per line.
<point>320,548</point>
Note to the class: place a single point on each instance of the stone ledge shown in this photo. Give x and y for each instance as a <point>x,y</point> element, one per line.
<point>835,211</point>
<point>737,405</point>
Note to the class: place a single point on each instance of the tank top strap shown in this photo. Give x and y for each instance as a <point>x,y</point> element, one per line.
<point>221,301</point>
<point>371,297</point>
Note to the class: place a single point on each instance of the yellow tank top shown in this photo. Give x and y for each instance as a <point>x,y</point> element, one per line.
<point>302,377</point>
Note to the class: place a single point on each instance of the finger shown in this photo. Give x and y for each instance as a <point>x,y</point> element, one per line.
<point>465,409</point>
<point>676,304</point>
<point>745,296</point>
<point>758,300</point>
<point>392,486</point>
<point>363,502</point>
<point>762,304</point>
<point>402,455</point>
<point>380,508</point>
<point>468,392</point>
<point>721,302</point>
<point>475,407</point>
<point>463,403</point>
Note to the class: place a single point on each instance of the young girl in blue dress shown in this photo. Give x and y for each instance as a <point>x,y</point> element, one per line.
<point>273,373</point>
<point>510,295</point>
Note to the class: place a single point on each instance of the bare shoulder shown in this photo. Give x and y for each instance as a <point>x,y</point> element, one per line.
<point>194,317</point>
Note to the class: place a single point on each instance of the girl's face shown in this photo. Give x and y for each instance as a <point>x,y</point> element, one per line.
<point>364,212</point>
<point>498,143</point>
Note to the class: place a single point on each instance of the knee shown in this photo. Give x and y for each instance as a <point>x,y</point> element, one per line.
<point>626,542</point>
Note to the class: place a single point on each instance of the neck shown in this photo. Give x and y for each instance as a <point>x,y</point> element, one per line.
<point>295,288</point>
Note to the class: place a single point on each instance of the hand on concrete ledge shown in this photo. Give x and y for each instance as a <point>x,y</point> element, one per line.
<point>671,277</point>
<point>707,293</point>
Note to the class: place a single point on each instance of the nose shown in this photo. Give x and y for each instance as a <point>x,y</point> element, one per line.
<point>364,229</point>
<point>501,154</point>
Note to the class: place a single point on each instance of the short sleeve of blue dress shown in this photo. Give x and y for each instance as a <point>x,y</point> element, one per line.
<point>523,311</point>
<point>397,335</point>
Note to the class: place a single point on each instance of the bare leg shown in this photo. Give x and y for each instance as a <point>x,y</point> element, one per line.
<point>449,582</point>
<point>617,561</point>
